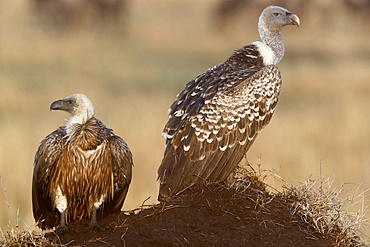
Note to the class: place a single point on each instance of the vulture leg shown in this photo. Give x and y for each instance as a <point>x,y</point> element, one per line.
<point>63,229</point>
<point>63,220</point>
<point>239,177</point>
<point>93,221</point>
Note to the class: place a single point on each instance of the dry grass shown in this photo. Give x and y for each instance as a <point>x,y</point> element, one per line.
<point>327,212</point>
<point>15,237</point>
<point>133,75</point>
<point>333,212</point>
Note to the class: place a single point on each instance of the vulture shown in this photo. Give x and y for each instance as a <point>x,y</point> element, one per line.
<point>218,115</point>
<point>81,170</point>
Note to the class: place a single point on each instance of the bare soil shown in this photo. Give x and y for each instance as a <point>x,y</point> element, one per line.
<point>204,215</point>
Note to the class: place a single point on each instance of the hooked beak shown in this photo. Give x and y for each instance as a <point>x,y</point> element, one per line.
<point>294,19</point>
<point>58,105</point>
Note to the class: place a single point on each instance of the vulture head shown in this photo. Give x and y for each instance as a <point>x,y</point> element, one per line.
<point>271,22</point>
<point>78,106</point>
<point>274,18</point>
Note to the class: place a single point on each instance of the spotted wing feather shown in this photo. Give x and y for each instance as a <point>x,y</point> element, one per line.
<point>241,65</point>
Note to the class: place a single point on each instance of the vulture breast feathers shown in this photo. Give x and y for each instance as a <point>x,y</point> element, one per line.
<point>215,119</point>
<point>81,170</point>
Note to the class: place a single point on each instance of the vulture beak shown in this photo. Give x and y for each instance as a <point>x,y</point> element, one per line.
<point>293,19</point>
<point>58,105</point>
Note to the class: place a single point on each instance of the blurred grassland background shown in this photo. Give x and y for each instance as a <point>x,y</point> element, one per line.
<point>133,71</point>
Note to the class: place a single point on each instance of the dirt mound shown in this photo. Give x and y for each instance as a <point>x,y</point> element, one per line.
<point>212,215</point>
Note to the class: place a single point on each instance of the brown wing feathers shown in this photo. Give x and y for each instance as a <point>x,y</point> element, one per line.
<point>46,156</point>
<point>205,86</point>
<point>122,173</point>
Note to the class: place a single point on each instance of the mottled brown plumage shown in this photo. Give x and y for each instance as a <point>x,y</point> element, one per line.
<point>81,170</point>
<point>215,119</point>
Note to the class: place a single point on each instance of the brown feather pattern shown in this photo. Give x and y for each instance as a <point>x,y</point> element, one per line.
<point>90,165</point>
<point>215,119</point>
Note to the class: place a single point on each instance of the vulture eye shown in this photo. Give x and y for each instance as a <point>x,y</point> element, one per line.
<point>276,14</point>
<point>70,102</point>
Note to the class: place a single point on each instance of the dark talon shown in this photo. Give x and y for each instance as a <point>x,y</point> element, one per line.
<point>95,227</point>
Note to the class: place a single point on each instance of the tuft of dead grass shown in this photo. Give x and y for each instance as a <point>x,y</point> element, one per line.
<point>326,211</point>
<point>17,237</point>
<point>323,209</point>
